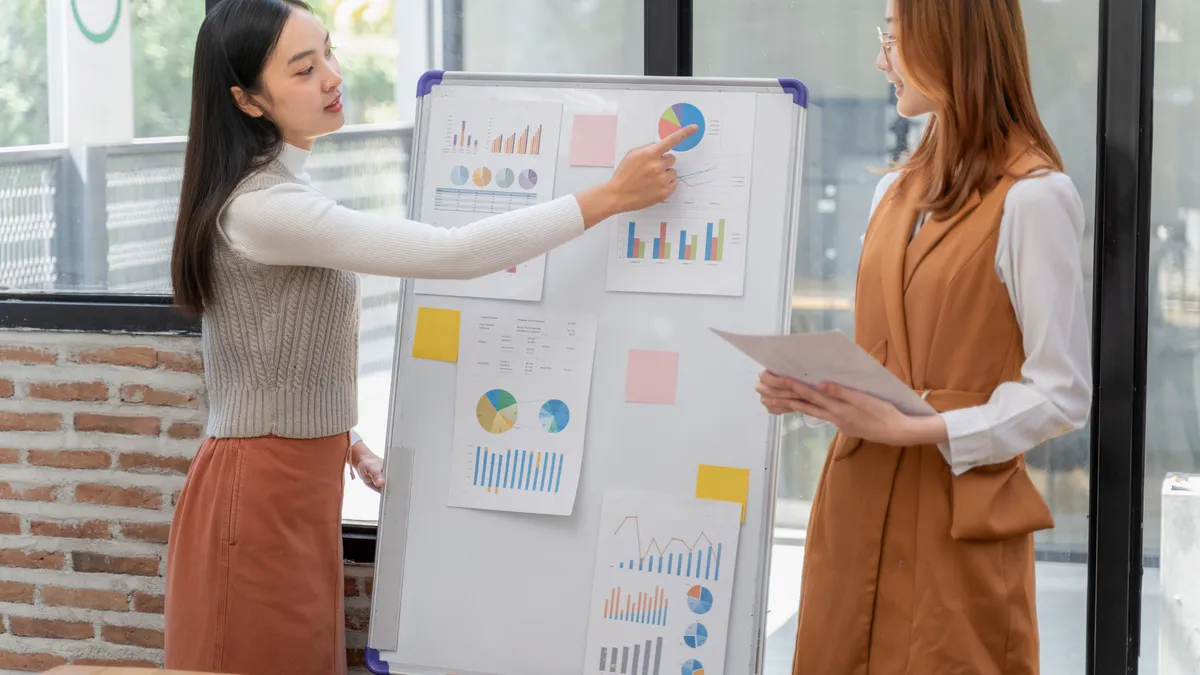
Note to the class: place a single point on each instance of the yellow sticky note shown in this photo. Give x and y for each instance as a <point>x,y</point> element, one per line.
<point>724,483</point>
<point>437,334</point>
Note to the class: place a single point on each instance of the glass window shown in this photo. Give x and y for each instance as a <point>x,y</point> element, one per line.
<point>364,37</point>
<point>549,36</point>
<point>1173,344</point>
<point>164,41</point>
<point>852,127</point>
<point>25,115</point>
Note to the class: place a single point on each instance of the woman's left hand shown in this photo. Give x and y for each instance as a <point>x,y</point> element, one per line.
<point>853,412</point>
<point>368,465</point>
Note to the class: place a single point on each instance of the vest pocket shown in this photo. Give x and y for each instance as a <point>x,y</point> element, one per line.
<point>996,502</point>
<point>844,446</point>
<point>879,352</point>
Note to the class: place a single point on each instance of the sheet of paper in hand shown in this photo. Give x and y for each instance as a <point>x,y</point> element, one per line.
<point>828,356</point>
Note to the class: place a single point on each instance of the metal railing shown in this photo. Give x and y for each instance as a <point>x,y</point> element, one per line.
<point>102,219</point>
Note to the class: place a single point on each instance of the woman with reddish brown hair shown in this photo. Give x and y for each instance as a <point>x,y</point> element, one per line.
<point>919,552</point>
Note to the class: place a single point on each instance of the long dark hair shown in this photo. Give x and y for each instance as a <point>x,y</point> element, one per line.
<point>224,144</point>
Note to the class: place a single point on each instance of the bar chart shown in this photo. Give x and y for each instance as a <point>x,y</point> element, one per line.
<point>464,138</point>
<point>704,563</point>
<point>525,144</point>
<point>523,470</point>
<point>461,140</point>
<point>675,242</point>
<point>700,254</point>
<point>646,658</point>
<point>643,607</point>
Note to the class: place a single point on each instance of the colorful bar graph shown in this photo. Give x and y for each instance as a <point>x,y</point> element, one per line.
<point>645,607</point>
<point>687,247</point>
<point>463,140</point>
<point>523,470</point>
<point>524,144</point>
<point>715,246</point>
<point>701,563</point>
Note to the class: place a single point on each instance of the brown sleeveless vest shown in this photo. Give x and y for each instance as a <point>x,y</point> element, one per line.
<point>909,569</point>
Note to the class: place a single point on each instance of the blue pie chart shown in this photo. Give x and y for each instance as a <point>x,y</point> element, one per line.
<point>693,667</point>
<point>459,175</point>
<point>699,599</point>
<point>696,635</point>
<point>554,416</point>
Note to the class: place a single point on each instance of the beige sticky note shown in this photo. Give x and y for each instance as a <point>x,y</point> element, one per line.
<point>723,483</point>
<point>437,334</point>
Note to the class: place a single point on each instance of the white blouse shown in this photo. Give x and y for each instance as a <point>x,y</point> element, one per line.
<point>1038,261</point>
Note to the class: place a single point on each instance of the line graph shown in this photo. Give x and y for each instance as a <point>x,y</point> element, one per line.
<point>699,177</point>
<point>700,559</point>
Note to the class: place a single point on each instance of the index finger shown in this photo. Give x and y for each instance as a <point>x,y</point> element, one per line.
<point>676,138</point>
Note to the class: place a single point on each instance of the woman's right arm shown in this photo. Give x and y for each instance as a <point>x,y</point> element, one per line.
<point>294,224</point>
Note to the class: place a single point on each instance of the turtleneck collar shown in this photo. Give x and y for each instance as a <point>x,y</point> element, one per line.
<point>294,159</point>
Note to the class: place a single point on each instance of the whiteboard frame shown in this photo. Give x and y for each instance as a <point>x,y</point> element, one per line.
<point>391,545</point>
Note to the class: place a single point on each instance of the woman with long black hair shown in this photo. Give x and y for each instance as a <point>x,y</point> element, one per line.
<point>254,567</point>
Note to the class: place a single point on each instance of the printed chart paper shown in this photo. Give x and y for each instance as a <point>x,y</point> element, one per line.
<point>485,158</point>
<point>524,379</point>
<point>695,242</point>
<point>663,584</point>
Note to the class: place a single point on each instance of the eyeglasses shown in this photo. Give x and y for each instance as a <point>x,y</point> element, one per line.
<point>886,40</point>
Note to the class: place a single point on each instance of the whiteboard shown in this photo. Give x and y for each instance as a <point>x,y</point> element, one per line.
<point>476,592</point>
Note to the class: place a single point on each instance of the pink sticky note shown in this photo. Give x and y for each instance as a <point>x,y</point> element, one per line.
<point>594,140</point>
<point>651,376</point>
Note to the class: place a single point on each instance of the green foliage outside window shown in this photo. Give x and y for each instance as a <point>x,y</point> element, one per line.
<point>164,38</point>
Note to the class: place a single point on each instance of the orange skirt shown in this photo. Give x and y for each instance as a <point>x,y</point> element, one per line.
<point>254,582</point>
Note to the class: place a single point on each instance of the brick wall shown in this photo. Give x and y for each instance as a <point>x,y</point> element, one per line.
<point>96,435</point>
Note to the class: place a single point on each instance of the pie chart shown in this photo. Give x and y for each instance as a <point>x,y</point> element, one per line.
<point>678,116</point>
<point>505,178</point>
<point>459,175</point>
<point>554,416</point>
<point>693,667</point>
<point>699,599</point>
<point>696,635</point>
<point>528,179</point>
<point>482,176</point>
<point>497,412</point>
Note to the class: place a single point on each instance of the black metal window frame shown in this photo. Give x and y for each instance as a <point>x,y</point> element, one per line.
<point>1123,173</point>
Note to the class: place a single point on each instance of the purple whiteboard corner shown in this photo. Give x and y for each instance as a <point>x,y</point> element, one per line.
<point>375,664</point>
<point>428,80</point>
<point>797,89</point>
